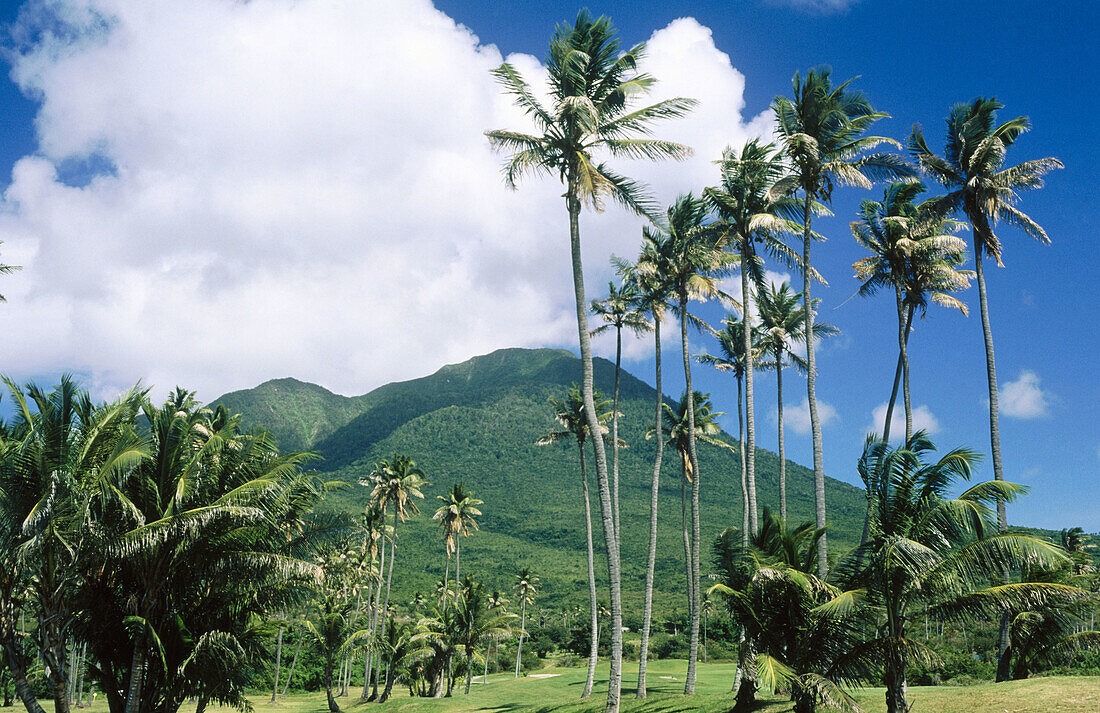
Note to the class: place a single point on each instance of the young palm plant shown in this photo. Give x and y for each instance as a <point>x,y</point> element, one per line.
<point>928,548</point>
<point>574,426</point>
<point>591,85</point>
<point>821,131</point>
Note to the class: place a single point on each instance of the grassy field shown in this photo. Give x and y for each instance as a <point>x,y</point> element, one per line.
<point>558,689</point>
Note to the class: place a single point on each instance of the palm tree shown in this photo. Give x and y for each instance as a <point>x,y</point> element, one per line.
<point>335,634</point>
<point>571,417</point>
<point>984,191</point>
<point>821,131</point>
<point>395,482</point>
<point>619,310</point>
<point>925,547</point>
<point>591,85</point>
<point>374,542</point>
<point>456,518</point>
<point>696,262</point>
<point>653,292</point>
<point>478,623</point>
<point>749,217</point>
<point>526,588</point>
<point>732,345</point>
<point>782,325</point>
<point>682,430</point>
<point>913,252</point>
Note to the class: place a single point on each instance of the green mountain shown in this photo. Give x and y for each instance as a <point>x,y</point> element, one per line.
<point>477,422</point>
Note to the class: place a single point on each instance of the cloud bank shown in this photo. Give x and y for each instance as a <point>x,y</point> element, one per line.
<point>229,192</point>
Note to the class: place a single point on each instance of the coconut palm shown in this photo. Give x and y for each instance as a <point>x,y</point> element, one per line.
<point>821,131</point>
<point>732,344</point>
<point>912,251</point>
<point>618,310</point>
<point>574,426</point>
<point>677,427</point>
<point>478,622</point>
<point>782,326</point>
<point>750,220</point>
<point>926,548</point>
<point>334,631</point>
<point>591,84</point>
<point>649,274</point>
<point>984,191</point>
<point>697,260</point>
<point>526,589</point>
<point>456,518</point>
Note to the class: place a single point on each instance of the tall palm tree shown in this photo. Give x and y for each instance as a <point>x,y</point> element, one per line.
<point>395,482</point>
<point>782,325</point>
<point>526,588</point>
<point>912,251</point>
<point>697,262</point>
<point>750,219</point>
<point>574,426</point>
<point>456,518</point>
<point>618,310</point>
<point>731,344</point>
<point>821,131</point>
<point>649,274</point>
<point>681,429</point>
<point>984,191</point>
<point>926,547</point>
<point>591,84</point>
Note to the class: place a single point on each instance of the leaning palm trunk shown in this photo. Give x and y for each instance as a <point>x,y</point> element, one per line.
<point>593,651</point>
<point>811,389</point>
<point>613,565</point>
<point>647,615</point>
<point>693,645</point>
<point>750,422</point>
<point>294,664</point>
<point>14,661</point>
<point>748,684</point>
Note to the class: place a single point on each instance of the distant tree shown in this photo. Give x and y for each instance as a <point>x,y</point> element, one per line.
<point>526,588</point>
<point>478,622</point>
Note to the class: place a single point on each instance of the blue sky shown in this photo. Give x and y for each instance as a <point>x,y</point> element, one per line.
<point>211,172</point>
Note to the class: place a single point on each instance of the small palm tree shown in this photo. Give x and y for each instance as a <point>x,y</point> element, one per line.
<point>526,589</point>
<point>927,548</point>
<point>782,325</point>
<point>478,622</point>
<point>984,191</point>
<point>619,311</point>
<point>591,84</point>
<point>335,632</point>
<point>821,130</point>
<point>574,426</point>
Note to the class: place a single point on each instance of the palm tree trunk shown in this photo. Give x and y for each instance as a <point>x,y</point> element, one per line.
<point>19,678</point>
<point>750,421</point>
<point>369,665</point>
<point>485,675</point>
<point>782,451</point>
<point>615,430</point>
<point>651,562</point>
<point>522,627</point>
<point>693,645</point>
<point>469,672</point>
<point>614,570</point>
<point>811,390</point>
<point>386,603</point>
<point>137,674</point>
<point>278,665</point>
<point>687,533</point>
<point>744,478</point>
<point>593,651</point>
<point>446,579</point>
<point>904,320</point>
<point>294,665</point>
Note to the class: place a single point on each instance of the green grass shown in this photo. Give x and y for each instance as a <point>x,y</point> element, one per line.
<point>561,691</point>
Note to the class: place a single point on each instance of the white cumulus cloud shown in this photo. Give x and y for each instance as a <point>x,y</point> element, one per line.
<point>1024,398</point>
<point>797,418</point>
<point>301,187</point>
<point>923,420</point>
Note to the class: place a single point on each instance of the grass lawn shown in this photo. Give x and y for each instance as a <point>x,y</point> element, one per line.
<point>557,689</point>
